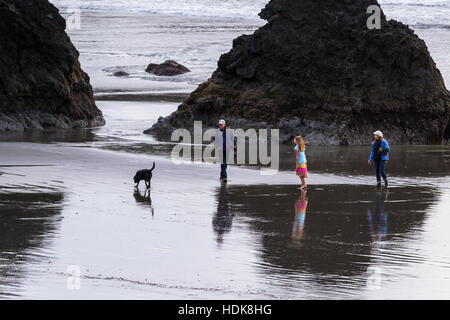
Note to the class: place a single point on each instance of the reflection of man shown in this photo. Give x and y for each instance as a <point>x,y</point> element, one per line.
<point>223,219</point>
<point>300,213</point>
<point>228,140</point>
<point>378,220</point>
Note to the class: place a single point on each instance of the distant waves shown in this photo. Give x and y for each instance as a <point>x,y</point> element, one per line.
<point>425,13</point>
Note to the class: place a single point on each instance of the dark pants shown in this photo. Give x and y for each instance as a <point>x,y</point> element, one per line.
<point>223,171</point>
<point>379,170</point>
<point>223,166</point>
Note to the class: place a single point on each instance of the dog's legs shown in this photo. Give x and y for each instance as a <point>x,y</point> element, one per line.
<point>147,184</point>
<point>137,186</point>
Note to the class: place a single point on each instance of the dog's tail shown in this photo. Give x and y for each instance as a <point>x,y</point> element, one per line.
<point>153,166</point>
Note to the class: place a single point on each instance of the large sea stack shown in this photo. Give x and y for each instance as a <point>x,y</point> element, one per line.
<point>317,70</point>
<point>41,82</point>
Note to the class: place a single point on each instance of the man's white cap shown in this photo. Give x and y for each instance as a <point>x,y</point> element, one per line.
<point>378,133</point>
<point>221,121</point>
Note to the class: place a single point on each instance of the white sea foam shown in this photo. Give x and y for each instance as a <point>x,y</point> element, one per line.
<point>211,8</point>
<point>421,12</point>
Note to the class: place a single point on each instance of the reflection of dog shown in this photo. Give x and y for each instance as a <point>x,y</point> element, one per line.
<point>145,175</point>
<point>144,200</point>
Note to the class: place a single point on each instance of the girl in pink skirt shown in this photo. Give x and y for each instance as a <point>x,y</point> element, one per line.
<point>301,168</point>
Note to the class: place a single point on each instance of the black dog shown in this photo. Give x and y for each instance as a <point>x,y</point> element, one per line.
<point>145,175</point>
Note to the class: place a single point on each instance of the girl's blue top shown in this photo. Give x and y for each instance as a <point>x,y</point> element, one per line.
<point>384,154</point>
<point>301,155</point>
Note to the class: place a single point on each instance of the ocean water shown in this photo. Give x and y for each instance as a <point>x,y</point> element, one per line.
<point>128,35</point>
<point>424,12</point>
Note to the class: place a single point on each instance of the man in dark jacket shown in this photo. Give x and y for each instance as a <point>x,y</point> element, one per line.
<point>228,141</point>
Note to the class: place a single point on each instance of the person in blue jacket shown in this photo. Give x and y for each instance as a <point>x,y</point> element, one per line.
<point>379,156</point>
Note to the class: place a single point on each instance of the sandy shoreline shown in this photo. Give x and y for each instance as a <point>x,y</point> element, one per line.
<point>100,201</point>
<point>67,198</point>
<point>167,246</point>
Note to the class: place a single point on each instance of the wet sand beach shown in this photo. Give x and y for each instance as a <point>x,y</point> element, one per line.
<point>67,198</point>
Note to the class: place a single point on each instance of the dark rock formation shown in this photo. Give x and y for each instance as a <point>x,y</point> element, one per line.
<point>315,69</point>
<point>167,68</point>
<point>120,74</point>
<point>41,82</point>
<point>447,133</point>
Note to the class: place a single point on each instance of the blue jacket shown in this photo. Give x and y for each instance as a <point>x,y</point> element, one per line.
<point>385,154</point>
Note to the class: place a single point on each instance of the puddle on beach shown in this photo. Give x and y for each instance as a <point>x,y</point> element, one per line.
<point>256,241</point>
<point>342,241</point>
<point>332,233</point>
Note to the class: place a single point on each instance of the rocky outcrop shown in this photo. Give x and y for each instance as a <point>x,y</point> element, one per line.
<point>41,82</point>
<point>167,68</point>
<point>120,74</point>
<point>316,69</point>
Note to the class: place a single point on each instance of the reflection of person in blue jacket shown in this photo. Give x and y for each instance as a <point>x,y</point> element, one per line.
<point>379,156</point>
<point>378,219</point>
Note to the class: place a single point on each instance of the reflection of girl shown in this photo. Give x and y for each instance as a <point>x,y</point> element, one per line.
<point>301,168</point>
<point>300,213</point>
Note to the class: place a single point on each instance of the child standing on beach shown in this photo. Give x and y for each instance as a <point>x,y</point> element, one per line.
<point>301,168</point>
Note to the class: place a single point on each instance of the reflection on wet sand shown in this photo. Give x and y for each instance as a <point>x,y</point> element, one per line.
<point>336,242</point>
<point>28,223</point>
<point>144,199</point>
<point>51,136</point>
<point>300,206</point>
<point>378,218</point>
<point>223,218</point>
<point>326,253</point>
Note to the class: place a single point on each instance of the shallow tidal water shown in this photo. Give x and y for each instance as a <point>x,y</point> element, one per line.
<point>67,199</point>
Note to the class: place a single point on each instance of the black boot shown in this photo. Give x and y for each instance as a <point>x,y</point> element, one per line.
<point>386,183</point>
